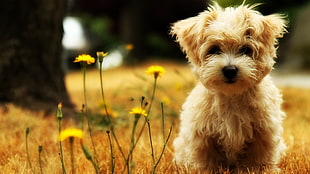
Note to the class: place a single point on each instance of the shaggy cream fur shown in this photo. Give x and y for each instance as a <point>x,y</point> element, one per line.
<point>233,117</point>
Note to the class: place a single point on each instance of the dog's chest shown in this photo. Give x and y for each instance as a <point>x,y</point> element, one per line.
<point>232,125</point>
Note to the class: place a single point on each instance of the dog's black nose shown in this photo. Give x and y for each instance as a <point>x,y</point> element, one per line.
<point>230,72</point>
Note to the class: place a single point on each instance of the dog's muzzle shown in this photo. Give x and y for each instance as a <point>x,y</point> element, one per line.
<point>230,73</point>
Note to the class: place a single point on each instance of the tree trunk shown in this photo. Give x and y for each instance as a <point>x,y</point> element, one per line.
<point>30,50</point>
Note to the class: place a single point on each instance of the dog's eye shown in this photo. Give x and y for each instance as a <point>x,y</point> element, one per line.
<point>214,50</point>
<point>245,50</point>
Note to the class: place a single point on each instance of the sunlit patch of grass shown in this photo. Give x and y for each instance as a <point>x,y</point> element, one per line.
<point>123,89</point>
<point>296,130</point>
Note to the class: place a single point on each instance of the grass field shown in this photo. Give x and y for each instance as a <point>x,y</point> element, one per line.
<point>123,89</point>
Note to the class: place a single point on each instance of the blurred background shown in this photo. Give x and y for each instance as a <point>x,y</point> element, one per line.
<point>40,39</point>
<point>108,24</point>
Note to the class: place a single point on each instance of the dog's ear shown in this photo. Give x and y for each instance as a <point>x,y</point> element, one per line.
<point>274,27</point>
<point>276,24</point>
<point>270,29</point>
<point>187,32</point>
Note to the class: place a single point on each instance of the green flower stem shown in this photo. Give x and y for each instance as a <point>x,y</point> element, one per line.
<point>72,154</point>
<point>153,95</point>
<point>86,110</point>
<point>118,145</point>
<point>111,125</point>
<point>162,121</point>
<point>40,149</point>
<point>82,115</point>
<point>150,138</point>
<point>27,150</point>
<point>102,93</point>
<point>149,110</point>
<point>112,153</point>
<point>132,143</point>
<point>89,156</point>
<point>60,147</point>
<point>162,152</point>
<point>84,86</point>
<point>147,118</point>
<point>143,126</point>
<point>137,117</point>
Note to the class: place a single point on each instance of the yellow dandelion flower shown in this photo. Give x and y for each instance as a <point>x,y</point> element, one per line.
<point>85,58</point>
<point>70,132</point>
<point>138,111</point>
<point>155,70</point>
<point>101,55</point>
<point>129,47</point>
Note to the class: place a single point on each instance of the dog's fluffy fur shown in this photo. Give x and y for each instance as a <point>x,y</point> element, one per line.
<point>233,117</point>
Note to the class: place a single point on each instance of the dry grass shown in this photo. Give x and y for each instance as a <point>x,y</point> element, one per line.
<point>121,85</point>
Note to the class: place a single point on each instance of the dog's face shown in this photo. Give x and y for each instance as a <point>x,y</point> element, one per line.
<point>230,49</point>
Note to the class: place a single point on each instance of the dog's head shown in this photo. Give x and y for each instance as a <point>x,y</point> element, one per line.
<point>230,49</point>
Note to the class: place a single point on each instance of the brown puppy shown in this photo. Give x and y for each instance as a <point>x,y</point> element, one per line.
<point>233,117</point>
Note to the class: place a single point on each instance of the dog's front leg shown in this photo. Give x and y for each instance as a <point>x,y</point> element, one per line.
<point>193,150</point>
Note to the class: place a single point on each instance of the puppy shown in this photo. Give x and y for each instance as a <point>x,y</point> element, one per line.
<point>233,117</point>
